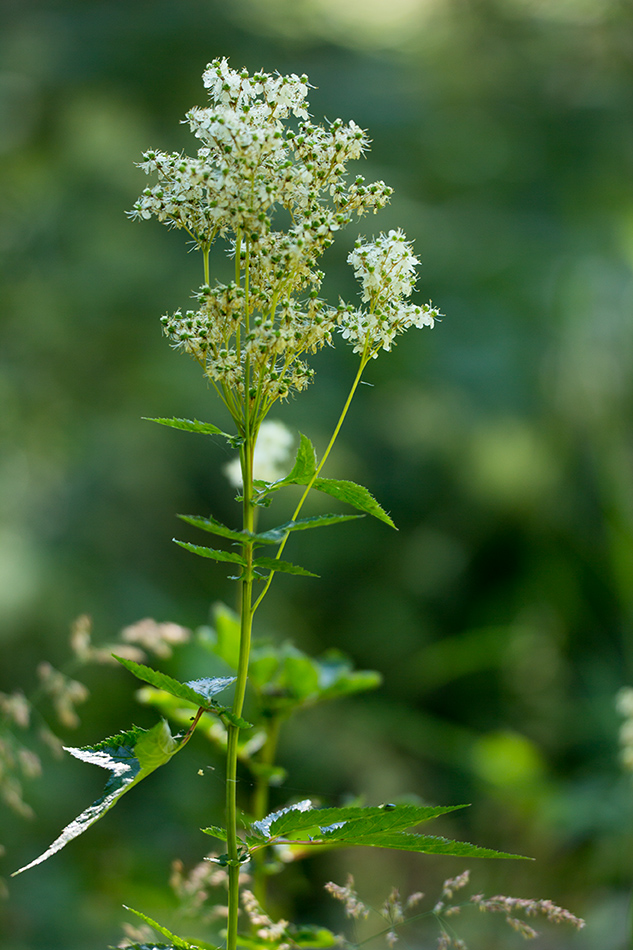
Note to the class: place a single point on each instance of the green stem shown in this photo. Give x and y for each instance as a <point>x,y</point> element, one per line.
<point>365,357</point>
<point>260,801</point>
<point>246,621</point>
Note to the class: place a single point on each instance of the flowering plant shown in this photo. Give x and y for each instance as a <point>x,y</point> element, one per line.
<point>274,187</point>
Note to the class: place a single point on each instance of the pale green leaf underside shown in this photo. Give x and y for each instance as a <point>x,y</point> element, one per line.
<point>198,692</point>
<point>130,756</point>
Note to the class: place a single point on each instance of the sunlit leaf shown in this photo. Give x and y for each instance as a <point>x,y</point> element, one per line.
<point>130,756</point>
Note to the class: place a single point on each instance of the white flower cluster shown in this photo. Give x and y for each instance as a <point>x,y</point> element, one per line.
<point>386,270</point>
<point>250,335</point>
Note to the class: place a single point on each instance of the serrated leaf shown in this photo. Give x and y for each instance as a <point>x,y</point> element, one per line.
<point>192,425</point>
<point>285,567</point>
<point>198,692</point>
<point>310,938</point>
<point>212,553</point>
<point>264,825</point>
<point>130,756</point>
<point>149,946</point>
<point>303,471</point>
<point>424,844</point>
<point>275,535</point>
<point>352,494</point>
<point>177,942</point>
<point>305,464</point>
<point>213,526</point>
<point>215,832</point>
<point>371,819</point>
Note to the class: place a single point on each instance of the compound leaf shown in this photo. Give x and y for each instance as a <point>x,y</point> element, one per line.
<point>130,756</point>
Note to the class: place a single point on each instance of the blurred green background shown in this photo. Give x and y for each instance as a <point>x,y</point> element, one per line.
<point>501,613</point>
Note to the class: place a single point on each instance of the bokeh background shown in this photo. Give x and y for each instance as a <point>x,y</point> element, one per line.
<point>500,614</point>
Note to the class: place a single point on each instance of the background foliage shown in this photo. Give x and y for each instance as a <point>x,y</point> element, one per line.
<point>501,613</point>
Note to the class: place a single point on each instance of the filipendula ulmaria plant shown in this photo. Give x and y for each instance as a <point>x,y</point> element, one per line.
<point>262,161</point>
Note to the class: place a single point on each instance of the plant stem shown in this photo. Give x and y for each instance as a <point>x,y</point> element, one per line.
<point>246,622</point>
<point>260,801</point>
<point>365,357</point>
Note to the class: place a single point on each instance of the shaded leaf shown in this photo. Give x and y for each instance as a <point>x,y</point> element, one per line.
<point>285,567</point>
<point>276,535</point>
<point>305,464</point>
<point>130,756</point>
<point>213,526</point>
<point>198,692</point>
<point>212,553</point>
<point>192,425</point>
<point>352,494</point>
<point>369,819</point>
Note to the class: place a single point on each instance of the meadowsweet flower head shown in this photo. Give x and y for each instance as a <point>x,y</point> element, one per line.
<point>386,271</point>
<point>259,152</point>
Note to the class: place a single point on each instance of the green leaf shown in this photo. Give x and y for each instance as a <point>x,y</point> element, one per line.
<point>285,567</point>
<point>215,832</point>
<point>212,553</point>
<point>305,464</point>
<point>310,938</point>
<point>368,819</point>
<point>192,425</point>
<point>303,471</point>
<point>355,495</point>
<point>130,756</point>
<point>276,535</point>
<point>176,942</point>
<point>198,692</point>
<point>424,844</point>
<point>213,526</point>
<point>376,826</point>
